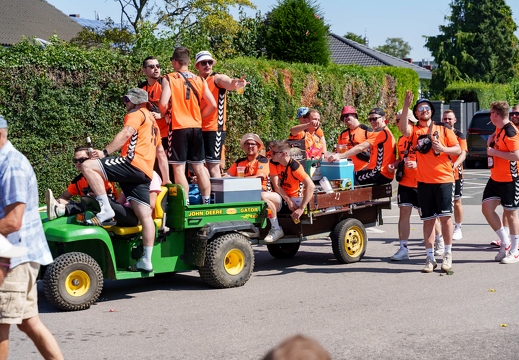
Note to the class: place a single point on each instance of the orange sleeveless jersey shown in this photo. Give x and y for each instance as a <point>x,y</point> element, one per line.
<point>507,140</point>
<point>185,109</point>
<point>216,120</point>
<point>382,151</point>
<point>140,149</point>
<point>458,173</point>
<point>409,178</point>
<point>154,91</point>
<point>313,145</point>
<point>257,167</point>
<point>80,187</point>
<point>354,137</point>
<point>291,177</point>
<point>434,169</point>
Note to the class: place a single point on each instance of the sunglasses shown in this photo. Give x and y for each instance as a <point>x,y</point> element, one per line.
<point>153,66</point>
<point>514,113</point>
<point>80,160</point>
<point>251,144</point>
<point>206,62</point>
<point>375,118</point>
<point>424,108</point>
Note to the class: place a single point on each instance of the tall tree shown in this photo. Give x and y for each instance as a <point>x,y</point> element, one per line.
<point>396,47</point>
<point>478,43</point>
<point>355,37</point>
<point>296,32</point>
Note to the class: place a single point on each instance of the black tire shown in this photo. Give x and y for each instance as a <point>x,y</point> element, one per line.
<point>73,281</point>
<point>283,251</point>
<point>229,261</point>
<point>349,241</point>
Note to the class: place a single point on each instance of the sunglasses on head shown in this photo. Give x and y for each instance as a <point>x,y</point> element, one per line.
<point>153,66</point>
<point>424,108</point>
<point>207,62</point>
<point>80,160</point>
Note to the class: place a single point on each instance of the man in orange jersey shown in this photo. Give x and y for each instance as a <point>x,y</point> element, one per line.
<point>503,185</point>
<point>310,130</point>
<point>191,101</point>
<point>289,180</point>
<point>258,165</point>
<point>434,144</point>
<point>139,141</point>
<point>407,196</point>
<point>213,125</point>
<point>354,137</point>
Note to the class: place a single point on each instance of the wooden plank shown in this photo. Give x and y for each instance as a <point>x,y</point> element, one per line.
<point>323,200</point>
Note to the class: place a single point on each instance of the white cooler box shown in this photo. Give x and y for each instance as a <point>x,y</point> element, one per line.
<point>233,189</point>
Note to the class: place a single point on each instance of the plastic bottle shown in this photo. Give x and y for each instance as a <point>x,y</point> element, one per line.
<point>325,184</point>
<point>89,144</point>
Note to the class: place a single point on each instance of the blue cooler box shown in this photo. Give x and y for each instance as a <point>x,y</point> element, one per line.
<point>342,169</point>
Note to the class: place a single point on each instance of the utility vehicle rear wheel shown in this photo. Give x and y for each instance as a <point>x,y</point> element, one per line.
<point>349,241</point>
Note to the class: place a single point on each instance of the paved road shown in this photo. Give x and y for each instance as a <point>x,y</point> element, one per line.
<point>372,309</point>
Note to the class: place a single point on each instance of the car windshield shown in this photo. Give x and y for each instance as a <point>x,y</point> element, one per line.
<point>481,123</point>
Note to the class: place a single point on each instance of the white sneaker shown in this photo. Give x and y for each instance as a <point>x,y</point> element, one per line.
<point>447,262</point>
<point>54,209</point>
<point>439,247</point>
<point>273,235</point>
<point>456,235</point>
<point>502,252</point>
<point>511,258</point>
<point>401,254</point>
<point>430,265</point>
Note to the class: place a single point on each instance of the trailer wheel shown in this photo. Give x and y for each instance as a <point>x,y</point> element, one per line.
<point>283,251</point>
<point>349,241</point>
<point>73,281</point>
<point>229,261</point>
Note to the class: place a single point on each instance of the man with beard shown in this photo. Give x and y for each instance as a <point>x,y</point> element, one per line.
<point>434,143</point>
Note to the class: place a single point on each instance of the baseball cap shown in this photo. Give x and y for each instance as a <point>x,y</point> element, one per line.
<point>421,101</point>
<point>410,116</point>
<point>377,111</point>
<point>3,122</point>
<point>137,96</point>
<point>301,112</point>
<point>8,250</point>
<point>348,110</point>
<point>203,55</point>
<point>251,136</point>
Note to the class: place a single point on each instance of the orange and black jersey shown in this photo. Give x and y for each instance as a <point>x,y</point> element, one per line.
<point>216,120</point>
<point>507,140</point>
<point>382,151</point>
<point>291,177</point>
<point>187,94</point>
<point>434,169</point>
<point>405,150</point>
<point>355,137</point>
<point>257,167</point>
<point>154,91</point>
<point>79,187</point>
<point>313,145</point>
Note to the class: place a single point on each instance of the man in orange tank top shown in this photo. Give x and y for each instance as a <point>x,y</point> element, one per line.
<point>213,125</point>
<point>139,144</point>
<point>188,98</point>
<point>434,143</point>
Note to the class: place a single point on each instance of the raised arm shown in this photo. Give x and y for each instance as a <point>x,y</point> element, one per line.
<point>404,126</point>
<point>227,83</point>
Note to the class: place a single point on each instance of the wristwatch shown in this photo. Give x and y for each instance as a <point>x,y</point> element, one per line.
<point>105,152</point>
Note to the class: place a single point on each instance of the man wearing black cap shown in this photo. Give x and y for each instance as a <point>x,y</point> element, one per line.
<point>433,143</point>
<point>382,152</point>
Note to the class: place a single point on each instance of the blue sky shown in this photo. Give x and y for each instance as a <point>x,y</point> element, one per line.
<point>378,19</point>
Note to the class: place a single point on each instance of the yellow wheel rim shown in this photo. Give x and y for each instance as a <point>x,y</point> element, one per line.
<point>77,283</point>
<point>354,241</point>
<point>234,262</point>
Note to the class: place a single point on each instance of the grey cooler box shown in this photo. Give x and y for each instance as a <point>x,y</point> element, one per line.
<point>233,189</point>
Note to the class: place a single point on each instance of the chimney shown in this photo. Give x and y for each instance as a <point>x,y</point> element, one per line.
<point>409,60</point>
<point>74,15</point>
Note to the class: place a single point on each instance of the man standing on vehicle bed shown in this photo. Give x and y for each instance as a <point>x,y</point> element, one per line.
<point>434,143</point>
<point>140,142</point>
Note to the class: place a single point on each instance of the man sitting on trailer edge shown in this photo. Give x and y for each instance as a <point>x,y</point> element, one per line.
<point>290,180</point>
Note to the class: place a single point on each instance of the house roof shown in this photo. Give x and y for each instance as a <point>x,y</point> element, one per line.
<point>34,18</point>
<point>346,51</point>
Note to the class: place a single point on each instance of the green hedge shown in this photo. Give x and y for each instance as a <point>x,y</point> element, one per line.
<point>54,96</point>
<point>483,93</point>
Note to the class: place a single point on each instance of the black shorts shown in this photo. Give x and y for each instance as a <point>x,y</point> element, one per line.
<point>134,183</point>
<point>458,189</point>
<point>435,200</point>
<point>370,177</point>
<point>186,145</point>
<point>506,192</point>
<point>407,196</point>
<point>213,144</point>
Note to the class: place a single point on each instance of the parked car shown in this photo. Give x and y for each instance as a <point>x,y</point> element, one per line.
<point>480,128</point>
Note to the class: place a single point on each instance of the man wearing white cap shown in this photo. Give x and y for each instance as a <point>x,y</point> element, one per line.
<point>20,223</point>
<point>213,124</point>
